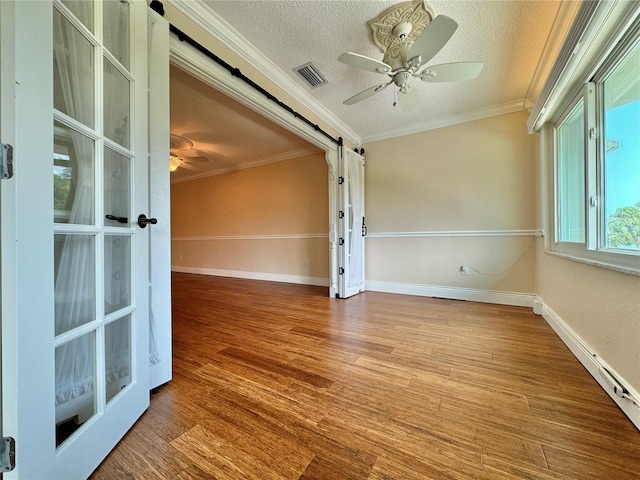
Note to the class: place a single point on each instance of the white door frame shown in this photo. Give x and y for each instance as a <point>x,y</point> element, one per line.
<point>206,70</point>
<point>8,266</point>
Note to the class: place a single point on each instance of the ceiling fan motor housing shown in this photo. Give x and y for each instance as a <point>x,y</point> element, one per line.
<point>401,79</point>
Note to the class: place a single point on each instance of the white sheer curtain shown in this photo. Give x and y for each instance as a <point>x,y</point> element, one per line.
<point>75,276</point>
<point>117,191</point>
<point>356,261</point>
<point>154,352</point>
<point>75,285</point>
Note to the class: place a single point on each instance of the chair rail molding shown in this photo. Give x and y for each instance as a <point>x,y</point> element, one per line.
<point>459,233</point>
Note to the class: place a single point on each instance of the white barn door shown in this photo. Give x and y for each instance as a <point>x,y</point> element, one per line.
<point>75,344</point>
<point>351,221</point>
<point>160,347</point>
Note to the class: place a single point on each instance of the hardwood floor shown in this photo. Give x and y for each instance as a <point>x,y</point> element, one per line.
<point>277,381</point>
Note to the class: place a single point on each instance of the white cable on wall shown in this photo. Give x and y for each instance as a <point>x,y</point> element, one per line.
<point>471,267</point>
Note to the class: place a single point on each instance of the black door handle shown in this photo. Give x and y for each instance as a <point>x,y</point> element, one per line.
<point>143,221</point>
<point>117,219</point>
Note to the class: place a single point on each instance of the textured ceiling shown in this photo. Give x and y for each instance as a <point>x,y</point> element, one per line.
<point>226,135</point>
<point>508,36</point>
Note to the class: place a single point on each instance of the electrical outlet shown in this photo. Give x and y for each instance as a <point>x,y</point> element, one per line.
<point>464,270</point>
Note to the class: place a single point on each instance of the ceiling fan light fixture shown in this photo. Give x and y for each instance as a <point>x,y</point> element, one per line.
<point>410,36</point>
<point>174,162</point>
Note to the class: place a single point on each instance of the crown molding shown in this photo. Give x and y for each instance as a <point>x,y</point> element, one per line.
<point>280,157</point>
<point>197,12</point>
<point>596,30</point>
<point>448,120</point>
<point>559,31</point>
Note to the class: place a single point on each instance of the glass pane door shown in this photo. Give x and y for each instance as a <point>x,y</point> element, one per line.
<point>94,234</point>
<point>77,337</point>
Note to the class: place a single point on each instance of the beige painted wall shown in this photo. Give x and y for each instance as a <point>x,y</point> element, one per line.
<point>270,219</point>
<point>477,176</point>
<point>600,305</point>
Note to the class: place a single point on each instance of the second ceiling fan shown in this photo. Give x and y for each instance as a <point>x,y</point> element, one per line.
<point>408,46</point>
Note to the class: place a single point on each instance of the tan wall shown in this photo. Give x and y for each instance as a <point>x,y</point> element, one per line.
<point>476,176</point>
<point>600,305</point>
<point>285,199</point>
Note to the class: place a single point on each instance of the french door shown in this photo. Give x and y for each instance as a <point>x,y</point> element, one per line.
<point>351,221</point>
<point>75,344</point>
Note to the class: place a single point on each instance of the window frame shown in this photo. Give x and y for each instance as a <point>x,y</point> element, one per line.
<point>565,246</point>
<point>593,250</point>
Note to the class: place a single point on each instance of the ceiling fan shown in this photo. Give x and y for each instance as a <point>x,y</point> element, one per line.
<point>408,46</point>
<point>182,154</point>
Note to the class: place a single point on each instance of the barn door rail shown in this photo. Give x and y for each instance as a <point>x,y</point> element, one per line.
<point>157,6</point>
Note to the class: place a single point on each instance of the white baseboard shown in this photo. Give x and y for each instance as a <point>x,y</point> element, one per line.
<point>454,293</point>
<point>270,277</point>
<point>594,365</point>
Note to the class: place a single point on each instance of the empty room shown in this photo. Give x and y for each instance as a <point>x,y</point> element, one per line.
<point>320,239</point>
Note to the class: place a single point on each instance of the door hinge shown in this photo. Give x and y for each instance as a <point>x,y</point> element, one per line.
<point>593,133</point>
<point>341,214</point>
<point>6,161</point>
<point>7,454</point>
<point>341,271</point>
<point>593,201</point>
<point>340,180</point>
<point>341,241</point>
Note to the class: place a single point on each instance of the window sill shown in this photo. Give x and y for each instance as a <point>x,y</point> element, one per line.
<point>596,263</point>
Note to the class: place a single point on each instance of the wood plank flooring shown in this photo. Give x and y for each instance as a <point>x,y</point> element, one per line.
<point>277,381</point>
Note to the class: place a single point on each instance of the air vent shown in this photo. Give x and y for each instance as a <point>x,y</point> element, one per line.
<point>311,75</point>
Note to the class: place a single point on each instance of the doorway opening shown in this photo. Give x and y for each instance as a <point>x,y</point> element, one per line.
<point>249,198</point>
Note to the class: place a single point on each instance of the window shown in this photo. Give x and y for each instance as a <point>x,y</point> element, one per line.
<point>571,160</point>
<point>621,154</point>
<point>597,165</point>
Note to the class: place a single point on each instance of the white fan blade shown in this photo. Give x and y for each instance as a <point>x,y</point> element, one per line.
<point>198,159</point>
<point>366,94</point>
<point>450,72</point>
<point>433,38</point>
<point>409,101</point>
<point>364,63</point>
<point>189,167</point>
